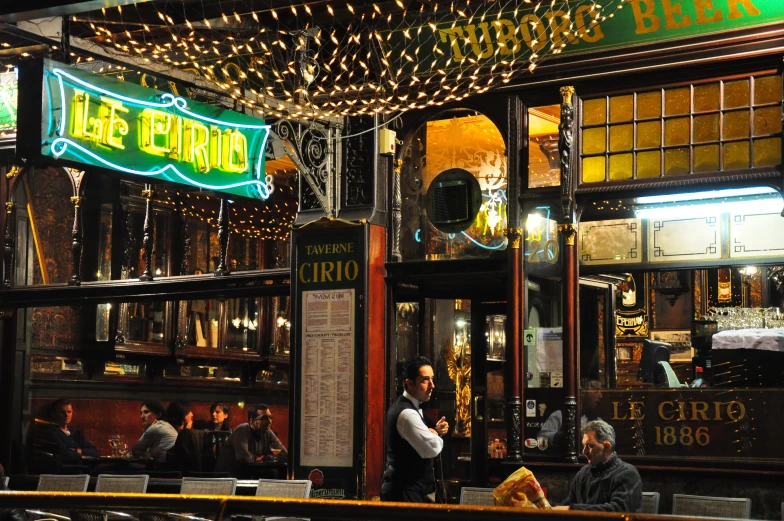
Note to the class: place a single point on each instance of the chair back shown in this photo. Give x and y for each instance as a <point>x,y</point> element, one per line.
<point>727,507</point>
<point>63,483</point>
<point>477,496</point>
<point>295,488</point>
<point>650,503</point>
<point>122,484</point>
<point>211,486</point>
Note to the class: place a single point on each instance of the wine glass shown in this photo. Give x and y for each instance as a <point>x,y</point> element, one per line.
<point>275,453</point>
<point>114,443</point>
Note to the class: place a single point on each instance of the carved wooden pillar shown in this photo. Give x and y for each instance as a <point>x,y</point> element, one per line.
<point>76,244</point>
<point>223,238</point>
<point>514,347</point>
<point>570,336</point>
<point>397,211</point>
<point>149,228</point>
<point>8,243</point>
<point>570,274</point>
<point>515,307</point>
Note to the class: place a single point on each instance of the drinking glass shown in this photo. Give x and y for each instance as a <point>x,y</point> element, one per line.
<point>275,453</point>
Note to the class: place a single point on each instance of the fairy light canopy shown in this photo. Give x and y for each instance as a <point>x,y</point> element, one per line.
<point>323,58</point>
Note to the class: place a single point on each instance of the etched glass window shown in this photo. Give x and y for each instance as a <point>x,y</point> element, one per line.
<point>460,141</point>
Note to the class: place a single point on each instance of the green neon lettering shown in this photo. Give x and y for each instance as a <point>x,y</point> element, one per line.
<point>199,154</point>
<point>216,147</point>
<point>238,152</point>
<point>83,121</point>
<point>117,127</point>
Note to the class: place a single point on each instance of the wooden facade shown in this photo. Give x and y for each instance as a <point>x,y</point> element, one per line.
<point>413,272</point>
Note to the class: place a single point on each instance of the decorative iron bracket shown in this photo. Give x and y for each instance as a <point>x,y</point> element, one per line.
<point>315,150</point>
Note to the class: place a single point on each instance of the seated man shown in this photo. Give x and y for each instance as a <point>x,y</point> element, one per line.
<point>250,442</point>
<point>606,484</point>
<point>68,444</point>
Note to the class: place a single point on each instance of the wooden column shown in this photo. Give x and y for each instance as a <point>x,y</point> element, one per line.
<point>570,274</point>
<point>514,348</point>
<point>149,229</point>
<point>513,377</point>
<point>570,326</point>
<point>223,238</point>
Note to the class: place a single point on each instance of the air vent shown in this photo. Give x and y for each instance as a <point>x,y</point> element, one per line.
<point>453,200</point>
<point>450,202</point>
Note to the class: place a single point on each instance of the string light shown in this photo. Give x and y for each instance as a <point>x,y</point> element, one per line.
<point>320,59</point>
<point>268,220</point>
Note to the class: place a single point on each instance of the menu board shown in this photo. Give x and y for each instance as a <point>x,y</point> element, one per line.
<point>326,429</point>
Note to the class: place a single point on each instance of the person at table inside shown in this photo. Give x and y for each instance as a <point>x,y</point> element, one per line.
<point>219,412</point>
<point>606,484</point>
<point>159,436</point>
<point>179,415</point>
<point>65,442</point>
<point>251,442</point>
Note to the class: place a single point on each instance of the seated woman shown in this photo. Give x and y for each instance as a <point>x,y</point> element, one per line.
<point>220,417</point>
<point>185,455</point>
<point>68,444</point>
<point>179,415</point>
<point>159,436</point>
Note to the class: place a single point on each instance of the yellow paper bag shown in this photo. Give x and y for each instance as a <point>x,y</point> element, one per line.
<point>520,490</point>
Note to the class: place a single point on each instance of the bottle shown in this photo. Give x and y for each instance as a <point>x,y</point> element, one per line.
<point>698,380</point>
<point>496,448</point>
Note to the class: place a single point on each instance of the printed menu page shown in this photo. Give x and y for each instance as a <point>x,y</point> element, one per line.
<point>327,432</point>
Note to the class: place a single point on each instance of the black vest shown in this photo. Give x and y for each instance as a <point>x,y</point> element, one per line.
<point>405,467</point>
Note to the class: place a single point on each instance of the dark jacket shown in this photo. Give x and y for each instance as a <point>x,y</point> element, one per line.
<point>64,446</point>
<point>612,486</point>
<point>186,454</point>
<point>244,447</point>
<point>406,470</point>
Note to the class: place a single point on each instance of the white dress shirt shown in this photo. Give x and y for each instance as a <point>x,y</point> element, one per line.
<point>411,426</point>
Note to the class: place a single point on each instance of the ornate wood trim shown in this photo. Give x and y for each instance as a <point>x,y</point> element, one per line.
<point>223,238</point>
<point>565,138</point>
<point>76,244</point>
<point>149,229</point>
<point>397,211</point>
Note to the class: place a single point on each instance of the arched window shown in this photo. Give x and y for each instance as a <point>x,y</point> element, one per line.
<point>454,189</point>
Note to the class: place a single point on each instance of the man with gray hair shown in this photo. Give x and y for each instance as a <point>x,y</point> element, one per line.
<point>606,484</point>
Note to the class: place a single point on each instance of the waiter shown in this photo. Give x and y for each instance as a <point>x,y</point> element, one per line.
<point>413,441</point>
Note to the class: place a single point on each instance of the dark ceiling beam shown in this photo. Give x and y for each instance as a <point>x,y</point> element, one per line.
<point>31,9</point>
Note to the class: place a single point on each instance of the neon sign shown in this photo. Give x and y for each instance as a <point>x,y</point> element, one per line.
<point>108,123</point>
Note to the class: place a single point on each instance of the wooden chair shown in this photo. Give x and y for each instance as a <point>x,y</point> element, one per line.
<point>724,507</point>
<point>650,503</point>
<point>63,483</point>
<point>130,484</point>
<point>211,486</point>
<point>477,496</point>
